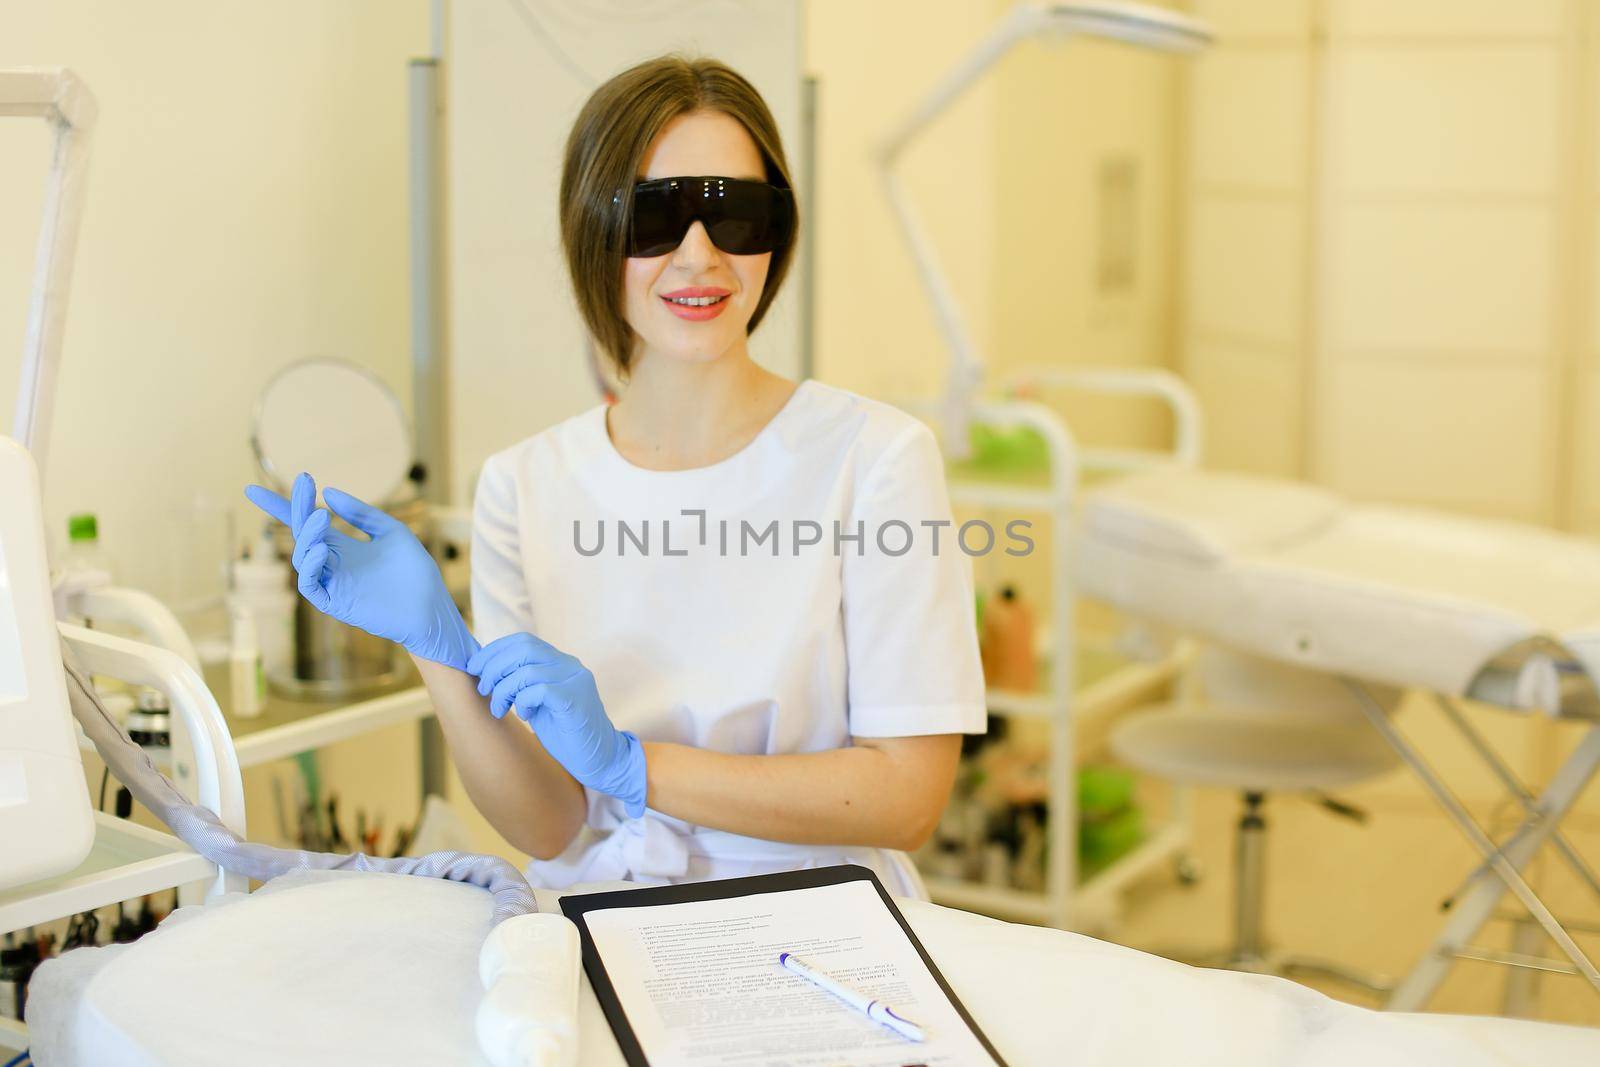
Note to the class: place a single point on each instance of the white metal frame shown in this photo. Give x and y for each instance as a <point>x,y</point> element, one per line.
<point>1153,383</point>
<point>128,860</point>
<point>330,727</point>
<point>212,779</point>
<point>63,101</point>
<point>1064,902</point>
<point>153,620</point>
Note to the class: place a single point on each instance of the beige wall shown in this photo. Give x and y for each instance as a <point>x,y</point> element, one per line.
<point>1246,204</point>
<point>1079,122</point>
<point>1390,266</point>
<point>1006,183</point>
<point>1583,427</point>
<point>246,208</point>
<point>1442,342</point>
<point>875,330</point>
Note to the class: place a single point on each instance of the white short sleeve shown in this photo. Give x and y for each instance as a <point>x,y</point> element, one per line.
<point>500,601</point>
<point>910,633</point>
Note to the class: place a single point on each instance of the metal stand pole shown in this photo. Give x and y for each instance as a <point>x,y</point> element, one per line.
<point>429,386</point>
<point>1250,868</point>
<point>1514,786</point>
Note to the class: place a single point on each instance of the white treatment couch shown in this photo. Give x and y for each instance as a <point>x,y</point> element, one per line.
<point>347,968</point>
<point>1380,597</point>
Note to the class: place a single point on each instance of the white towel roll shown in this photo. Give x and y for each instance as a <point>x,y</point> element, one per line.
<point>529,1013</point>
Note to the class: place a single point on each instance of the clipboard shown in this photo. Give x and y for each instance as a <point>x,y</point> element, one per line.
<point>575,907</point>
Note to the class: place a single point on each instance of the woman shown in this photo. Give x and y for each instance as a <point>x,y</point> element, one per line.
<point>702,599</point>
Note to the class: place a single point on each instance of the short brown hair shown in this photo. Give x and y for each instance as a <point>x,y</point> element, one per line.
<point>604,150</point>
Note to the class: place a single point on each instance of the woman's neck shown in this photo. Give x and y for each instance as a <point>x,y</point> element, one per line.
<point>676,415</point>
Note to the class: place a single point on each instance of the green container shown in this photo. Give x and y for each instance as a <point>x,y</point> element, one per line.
<point>84,527</point>
<point>1019,449</point>
<point>1104,841</point>
<point>1103,792</point>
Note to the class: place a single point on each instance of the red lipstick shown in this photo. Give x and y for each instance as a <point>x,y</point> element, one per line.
<point>696,303</point>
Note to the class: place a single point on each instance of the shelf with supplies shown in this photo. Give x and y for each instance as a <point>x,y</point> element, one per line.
<point>287,727</point>
<point>1095,895</point>
<point>1107,684</point>
<point>126,861</point>
<point>1025,464</point>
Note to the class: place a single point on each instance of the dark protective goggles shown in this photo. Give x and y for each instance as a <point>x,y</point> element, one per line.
<point>743,218</point>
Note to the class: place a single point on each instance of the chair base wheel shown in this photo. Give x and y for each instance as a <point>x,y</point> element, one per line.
<point>1186,869</point>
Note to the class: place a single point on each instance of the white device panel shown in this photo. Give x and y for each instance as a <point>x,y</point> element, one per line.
<point>46,822</point>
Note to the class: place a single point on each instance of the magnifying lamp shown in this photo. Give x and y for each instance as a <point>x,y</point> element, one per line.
<point>1135,24</point>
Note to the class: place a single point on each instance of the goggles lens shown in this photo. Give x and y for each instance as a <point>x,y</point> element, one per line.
<point>743,218</point>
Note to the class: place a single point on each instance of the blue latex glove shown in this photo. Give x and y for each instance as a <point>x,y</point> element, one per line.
<point>557,696</point>
<point>388,586</point>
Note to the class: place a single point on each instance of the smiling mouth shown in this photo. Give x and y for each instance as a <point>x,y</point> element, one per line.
<point>695,301</point>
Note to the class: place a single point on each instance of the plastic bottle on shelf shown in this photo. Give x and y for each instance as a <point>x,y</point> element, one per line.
<point>246,680</point>
<point>261,590</point>
<point>86,564</point>
<point>1008,646</point>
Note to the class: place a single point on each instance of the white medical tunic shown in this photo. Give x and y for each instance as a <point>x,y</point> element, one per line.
<point>804,591</point>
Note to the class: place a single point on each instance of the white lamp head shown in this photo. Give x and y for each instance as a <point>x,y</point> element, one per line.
<point>1135,24</point>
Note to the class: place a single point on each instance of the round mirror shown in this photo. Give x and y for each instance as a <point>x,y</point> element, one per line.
<point>339,422</point>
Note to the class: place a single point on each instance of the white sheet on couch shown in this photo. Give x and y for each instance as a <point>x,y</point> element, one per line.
<point>349,968</point>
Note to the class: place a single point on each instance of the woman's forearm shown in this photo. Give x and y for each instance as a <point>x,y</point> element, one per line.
<point>880,792</point>
<point>524,793</point>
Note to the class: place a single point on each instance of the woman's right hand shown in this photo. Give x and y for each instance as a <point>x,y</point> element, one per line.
<point>388,586</point>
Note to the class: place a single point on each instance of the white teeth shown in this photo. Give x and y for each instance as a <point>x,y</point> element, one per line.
<point>695,301</point>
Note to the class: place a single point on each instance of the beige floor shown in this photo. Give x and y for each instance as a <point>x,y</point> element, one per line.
<point>1365,895</point>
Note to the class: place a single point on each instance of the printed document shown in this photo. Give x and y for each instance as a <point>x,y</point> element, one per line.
<point>701,984</point>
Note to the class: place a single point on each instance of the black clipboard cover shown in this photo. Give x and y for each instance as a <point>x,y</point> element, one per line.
<point>575,906</point>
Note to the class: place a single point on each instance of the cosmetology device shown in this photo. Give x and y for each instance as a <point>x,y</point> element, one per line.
<point>44,804</point>
<point>47,827</point>
<point>46,824</point>
<point>45,818</point>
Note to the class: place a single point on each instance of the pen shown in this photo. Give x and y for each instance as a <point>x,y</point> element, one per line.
<point>876,1010</point>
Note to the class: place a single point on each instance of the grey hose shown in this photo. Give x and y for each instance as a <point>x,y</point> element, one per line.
<point>202,831</point>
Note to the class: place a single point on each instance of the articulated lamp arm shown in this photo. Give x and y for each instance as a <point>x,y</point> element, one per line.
<point>1134,24</point>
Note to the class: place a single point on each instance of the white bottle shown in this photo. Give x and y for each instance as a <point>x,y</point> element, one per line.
<point>84,551</point>
<point>246,681</point>
<point>84,565</point>
<point>528,1016</point>
<point>261,590</point>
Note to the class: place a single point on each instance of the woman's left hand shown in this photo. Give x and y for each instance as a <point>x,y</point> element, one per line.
<point>387,585</point>
<point>557,696</point>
